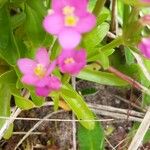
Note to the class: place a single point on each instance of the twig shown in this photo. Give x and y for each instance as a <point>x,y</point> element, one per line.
<point>114,22</point>
<point>140,132</point>
<point>111,35</point>
<point>73,118</point>
<point>116,115</point>
<point>130,80</point>
<point>54,119</point>
<point>34,127</point>
<point>8,122</point>
<point>109,144</point>
<point>116,110</point>
<point>131,103</point>
<point>33,133</point>
<point>14,114</point>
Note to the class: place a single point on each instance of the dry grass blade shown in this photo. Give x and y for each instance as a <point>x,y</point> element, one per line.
<point>34,127</point>
<point>8,122</point>
<point>136,142</point>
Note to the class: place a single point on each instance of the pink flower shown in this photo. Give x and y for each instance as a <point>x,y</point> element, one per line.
<point>68,19</point>
<point>53,83</point>
<point>144,47</point>
<point>37,73</point>
<point>145,20</point>
<point>147,1</point>
<point>72,61</point>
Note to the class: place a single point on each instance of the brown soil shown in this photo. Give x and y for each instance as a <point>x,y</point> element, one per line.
<point>58,135</point>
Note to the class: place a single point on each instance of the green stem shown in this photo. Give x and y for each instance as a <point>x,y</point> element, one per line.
<point>98,7</point>
<point>115,43</point>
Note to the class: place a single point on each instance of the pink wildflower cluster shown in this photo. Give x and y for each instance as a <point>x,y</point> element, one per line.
<point>67,20</point>
<point>147,1</point>
<point>144,47</point>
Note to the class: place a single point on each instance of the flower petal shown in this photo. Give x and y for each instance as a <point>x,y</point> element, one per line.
<point>54,83</point>
<point>43,81</point>
<point>26,65</point>
<point>42,57</point>
<point>51,67</point>
<point>80,56</point>
<point>53,23</point>
<point>29,79</point>
<point>79,5</point>
<point>69,38</point>
<point>43,91</point>
<point>86,23</point>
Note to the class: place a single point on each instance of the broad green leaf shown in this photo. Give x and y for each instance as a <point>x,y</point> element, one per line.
<point>78,106</point>
<point>8,48</point>
<point>17,1</point>
<point>105,15</point>
<point>91,139</point>
<point>103,60</point>
<point>37,5</point>
<point>101,77</point>
<point>97,55</point>
<point>38,101</point>
<point>9,132</point>
<point>33,26</point>
<point>93,39</point>
<point>129,57</point>
<point>55,97</point>
<point>5,97</point>
<point>2,2</point>
<point>8,77</point>
<point>17,20</point>
<point>22,102</point>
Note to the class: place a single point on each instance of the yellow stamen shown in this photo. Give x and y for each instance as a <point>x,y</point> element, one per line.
<point>40,71</point>
<point>68,10</point>
<point>69,60</point>
<point>71,20</point>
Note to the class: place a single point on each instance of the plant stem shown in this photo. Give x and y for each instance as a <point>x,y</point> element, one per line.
<point>114,22</point>
<point>115,43</point>
<point>98,7</point>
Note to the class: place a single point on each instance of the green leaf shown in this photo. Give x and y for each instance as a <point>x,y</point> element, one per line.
<point>38,101</point>
<point>55,97</point>
<point>101,77</point>
<point>88,91</point>
<point>103,60</point>
<point>2,2</point>
<point>17,20</point>
<point>5,97</point>
<point>37,5</point>
<point>8,48</point>
<point>9,132</point>
<point>91,139</point>
<point>8,77</point>
<point>33,26</point>
<point>93,38</point>
<point>78,106</point>
<point>97,55</point>
<point>129,57</point>
<point>22,102</point>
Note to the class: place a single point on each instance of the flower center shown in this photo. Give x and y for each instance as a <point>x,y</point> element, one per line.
<point>69,60</point>
<point>71,20</point>
<point>68,10</point>
<point>40,71</point>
